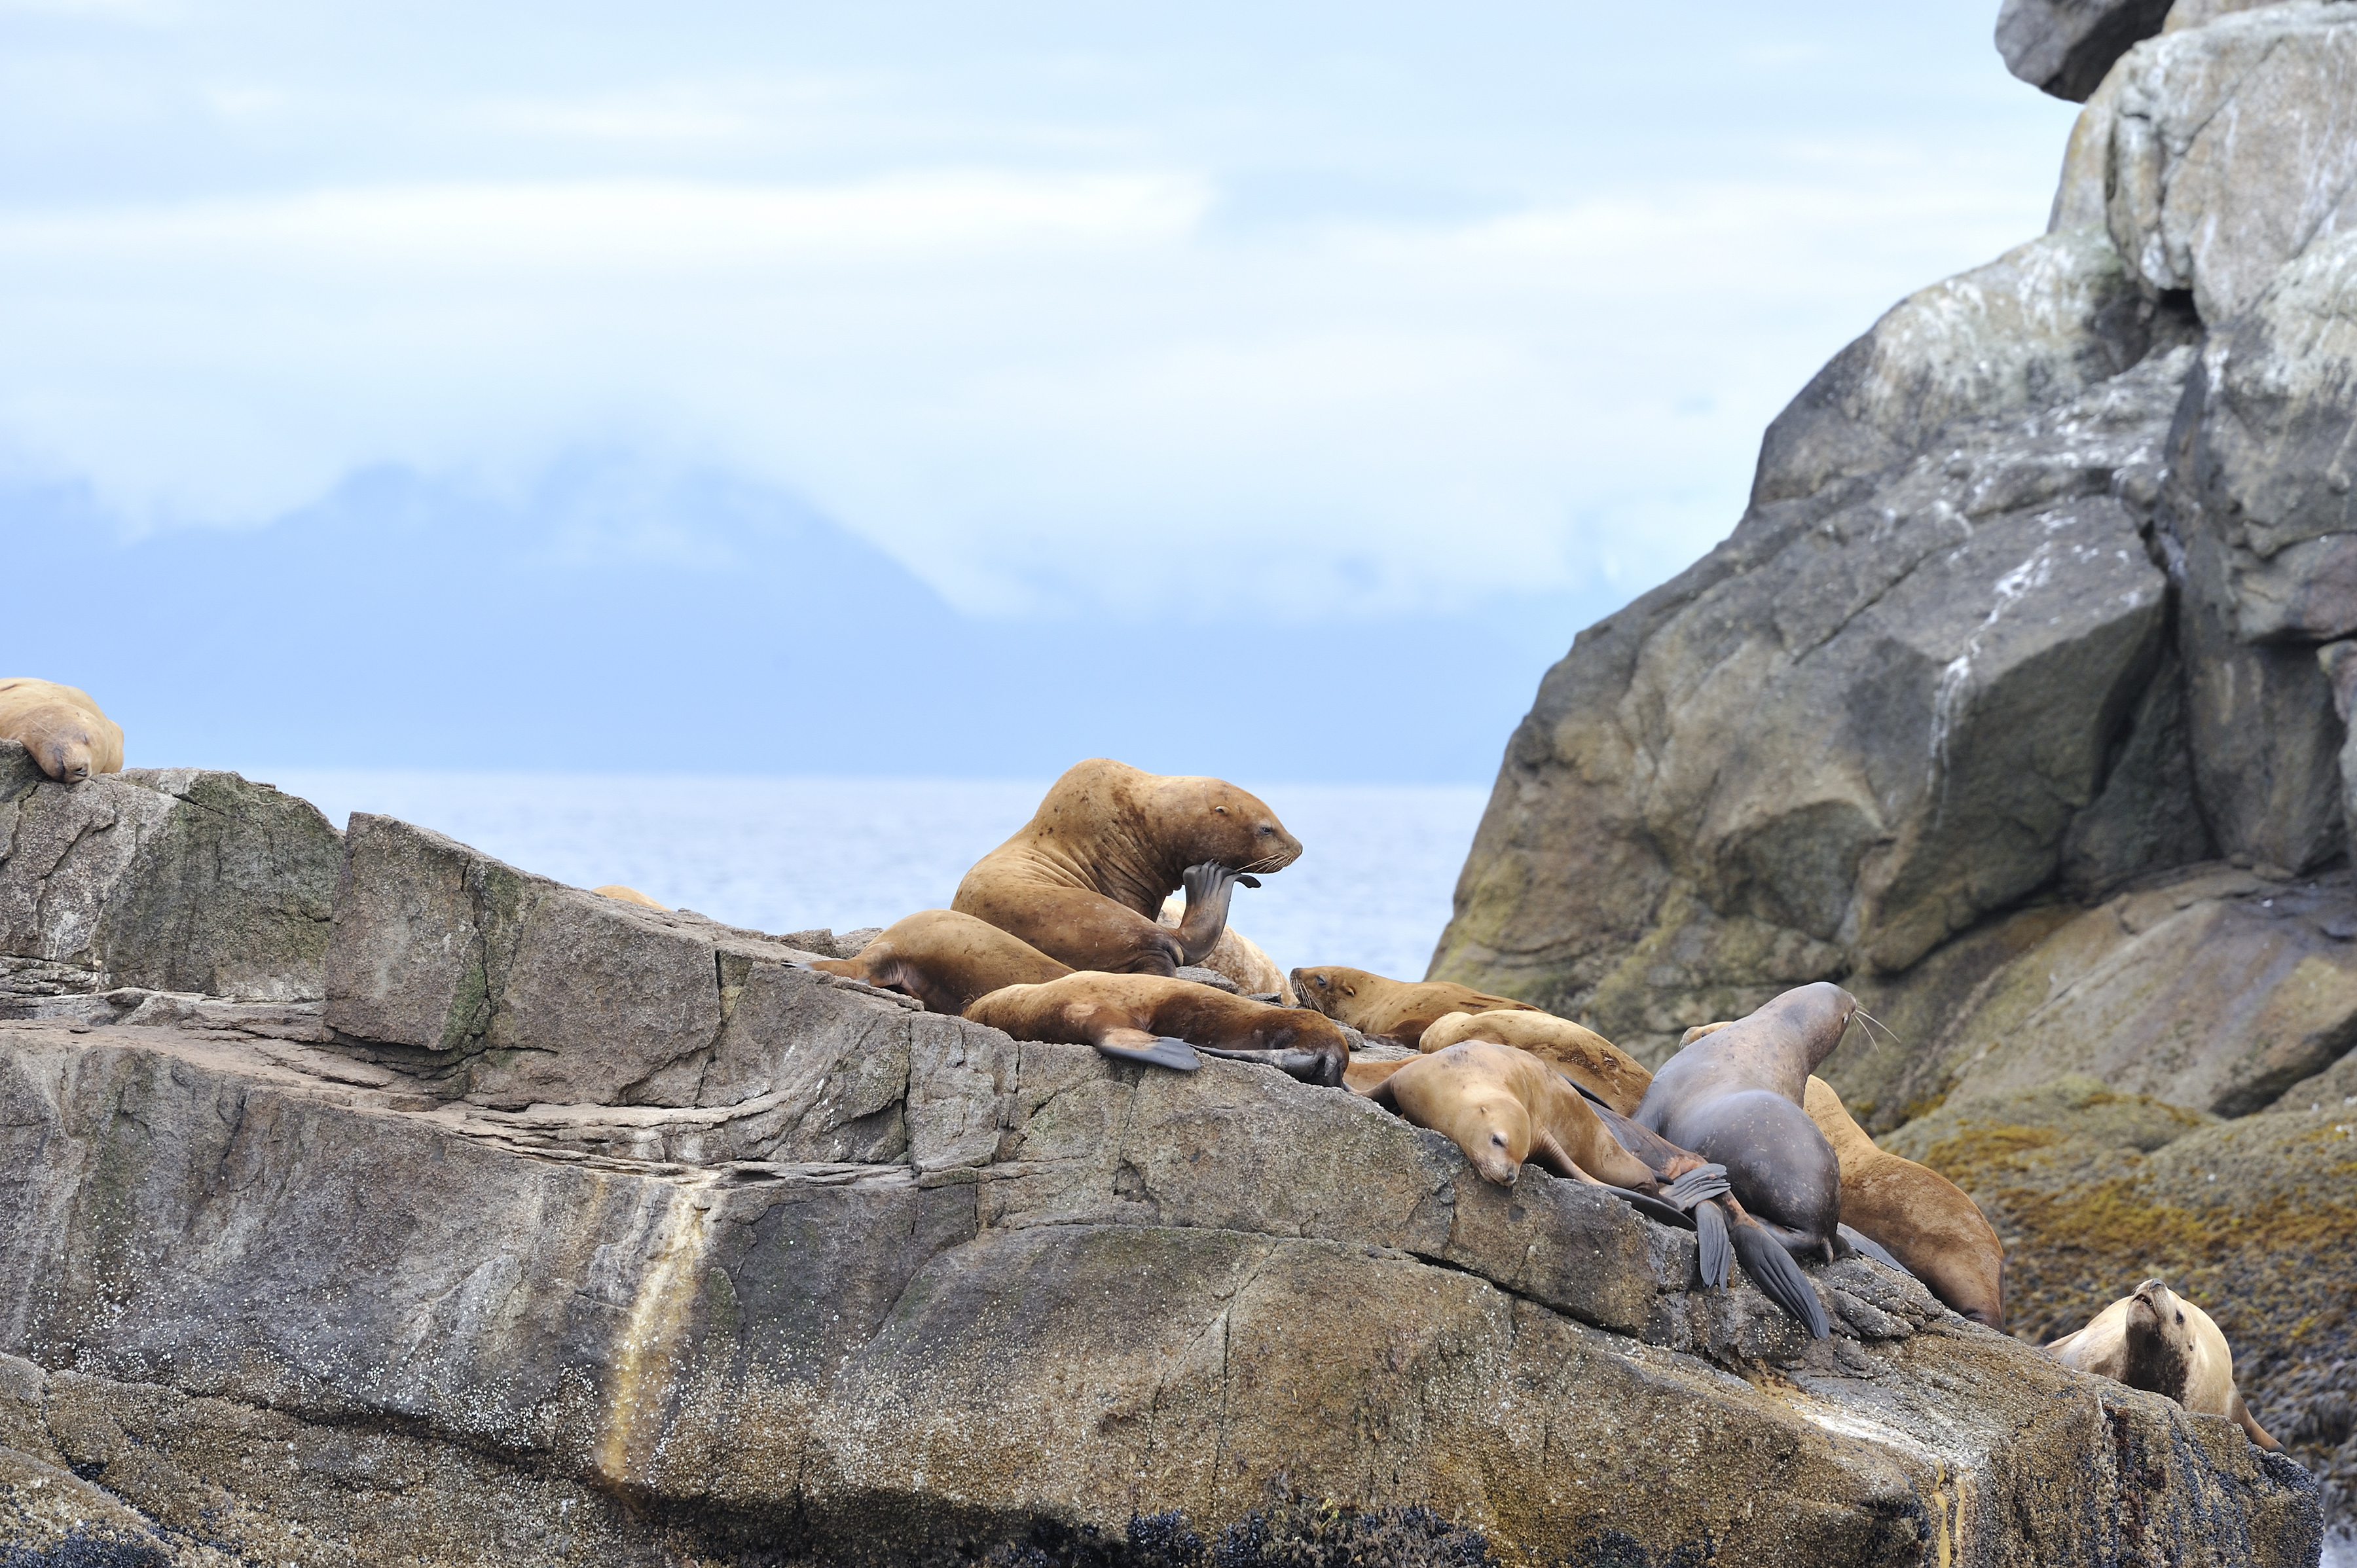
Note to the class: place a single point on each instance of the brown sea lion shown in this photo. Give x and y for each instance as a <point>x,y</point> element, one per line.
<point>945,960</point>
<point>1084,878</point>
<point>68,732</point>
<point>1598,1066</point>
<point>623,894</point>
<point>1399,1011</point>
<point>2156,1340</point>
<point>1143,1016</point>
<point>1239,958</point>
<point>1934,1231</point>
<point>1733,1096</point>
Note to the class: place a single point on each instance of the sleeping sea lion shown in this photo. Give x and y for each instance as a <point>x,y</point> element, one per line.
<point>1084,879</point>
<point>945,960</point>
<point>2156,1340</point>
<point>1399,1011</point>
<point>70,736</point>
<point>1733,1096</point>
<point>1930,1227</point>
<point>1150,1017</point>
<point>623,894</point>
<point>1239,958</point>
<point>1601,1069</point>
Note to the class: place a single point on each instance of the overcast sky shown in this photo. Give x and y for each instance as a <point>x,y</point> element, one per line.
<point>1387,308</point>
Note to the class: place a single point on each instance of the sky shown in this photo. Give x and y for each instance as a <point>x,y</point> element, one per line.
<point>925,389</point>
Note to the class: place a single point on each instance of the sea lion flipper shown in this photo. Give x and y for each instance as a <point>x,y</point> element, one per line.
<point>1868,1246</point>
<point>1700,1183</point>
<point>1308,1066</point>
<point>1176,1055</point>
<point>1651,1208</point>
<point>1771,1268</point>
<point>1716,1257</point>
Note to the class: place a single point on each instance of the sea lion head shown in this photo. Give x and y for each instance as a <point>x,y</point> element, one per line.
<point>61,740</point>
<point>1820,1014</point>
<point>2159,1341</point>
<point>1329,987</point>
<point>1464,1095</point>
<point>1230,826</point>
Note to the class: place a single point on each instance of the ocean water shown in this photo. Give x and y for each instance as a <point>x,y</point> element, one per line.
<point>1372,887</point>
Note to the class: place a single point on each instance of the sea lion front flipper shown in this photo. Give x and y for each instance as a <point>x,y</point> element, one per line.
<point>1209,887</point>
<point>1307,1066</point>
<point>1772,1270</point>
<point>2243,1417</point>
<point>1716,1257</point>
<point>1700,1183</point>
<point>1868,1246</point>
<point>1176,1055</point>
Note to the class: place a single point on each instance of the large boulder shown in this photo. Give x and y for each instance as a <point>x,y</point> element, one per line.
<point>2066,47</point>
<point>168,879</point>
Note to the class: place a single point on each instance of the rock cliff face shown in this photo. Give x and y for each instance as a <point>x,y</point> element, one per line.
<point>484,1220</point>
<point>2018,699</point>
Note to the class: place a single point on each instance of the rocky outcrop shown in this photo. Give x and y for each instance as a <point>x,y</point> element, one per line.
<point>2017,701</point>
<point>2066,47</point>
<point>711,1254</point>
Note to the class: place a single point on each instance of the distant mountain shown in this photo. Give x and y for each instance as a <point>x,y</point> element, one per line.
<point>618,617</point>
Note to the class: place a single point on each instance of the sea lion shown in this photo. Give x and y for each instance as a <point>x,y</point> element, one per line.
<point>1084,879</point>
<point>1734,1097</point>
<point>945,960</point>
<point>1399,1011</point>
<point>623,894</point>
<point>1601,1069</point>
<point>2156,1340</point>
<point>1239,958</point>
<point>68,732</point>
<point>1930,1227</point>
<point>1143,1017</point>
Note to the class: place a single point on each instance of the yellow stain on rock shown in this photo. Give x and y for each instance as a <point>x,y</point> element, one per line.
<point>645,1366</point>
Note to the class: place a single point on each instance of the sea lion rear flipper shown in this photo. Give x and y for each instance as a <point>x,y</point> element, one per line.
<point>1308,1066</point>
<point>1702,1182</point>
<point>1868,1246</point>
<point>1772,1270</point>
<point>1176,1055</point>
<point>1716,1258</point>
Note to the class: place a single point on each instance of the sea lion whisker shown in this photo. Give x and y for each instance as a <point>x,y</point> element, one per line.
<point>1873,1023</point>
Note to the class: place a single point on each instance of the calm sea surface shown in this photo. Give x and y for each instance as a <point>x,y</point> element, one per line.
<point>1371,888</point>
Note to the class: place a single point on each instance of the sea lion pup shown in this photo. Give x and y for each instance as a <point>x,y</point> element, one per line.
<point>1239,958</point>
<point>1084,879</point>
<point>70,736</point>
<point>2159,1341</point>
<point>1503,1106</point>
<point>1733,1096</point>
<point>945,960</point>
<point>623,894</point>
<point>1601,1069</point>
<point>1399,1011</point>
<point>1142,1017</point>
<point>1932,1230</point>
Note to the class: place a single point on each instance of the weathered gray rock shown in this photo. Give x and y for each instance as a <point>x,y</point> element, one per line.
<point>2232,147</point>
<point>1860,725</point>
<point>2066,47</point>
<point>169,879</point>
<point>2039,324</point>
<point>2339,661</point>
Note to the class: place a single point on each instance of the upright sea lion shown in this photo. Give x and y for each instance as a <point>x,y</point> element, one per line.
<point>1734,1097</point>
<point>1144,1016</point>
<point>1399,1011</point>
<point>945,960</point>
<point>1934,1231</point>
<point>68,732</point>
<point>623,894</point>
<point>2156,1340</point>
<point>1599,1068</point>
<point>1239,958</point>
<point>1084,878</point>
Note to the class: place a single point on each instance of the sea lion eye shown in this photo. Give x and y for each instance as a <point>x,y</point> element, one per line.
<point>2181,1317</point>
<point>1222,810</point>
<point>1264,829</point>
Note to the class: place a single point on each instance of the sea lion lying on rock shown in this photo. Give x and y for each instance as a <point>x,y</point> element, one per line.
<point>1733,1096</point>
<point>1601,1069</point>
<point>1928,1224</point>
<point>1239,958</point>
<point>70,736</point>
<point>1084,879</point>
<point>1152,1019</point>
<point>1399,1011</point>
<point>623,894</point>
<point>946,960</point>
<point>2156,1340</point>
